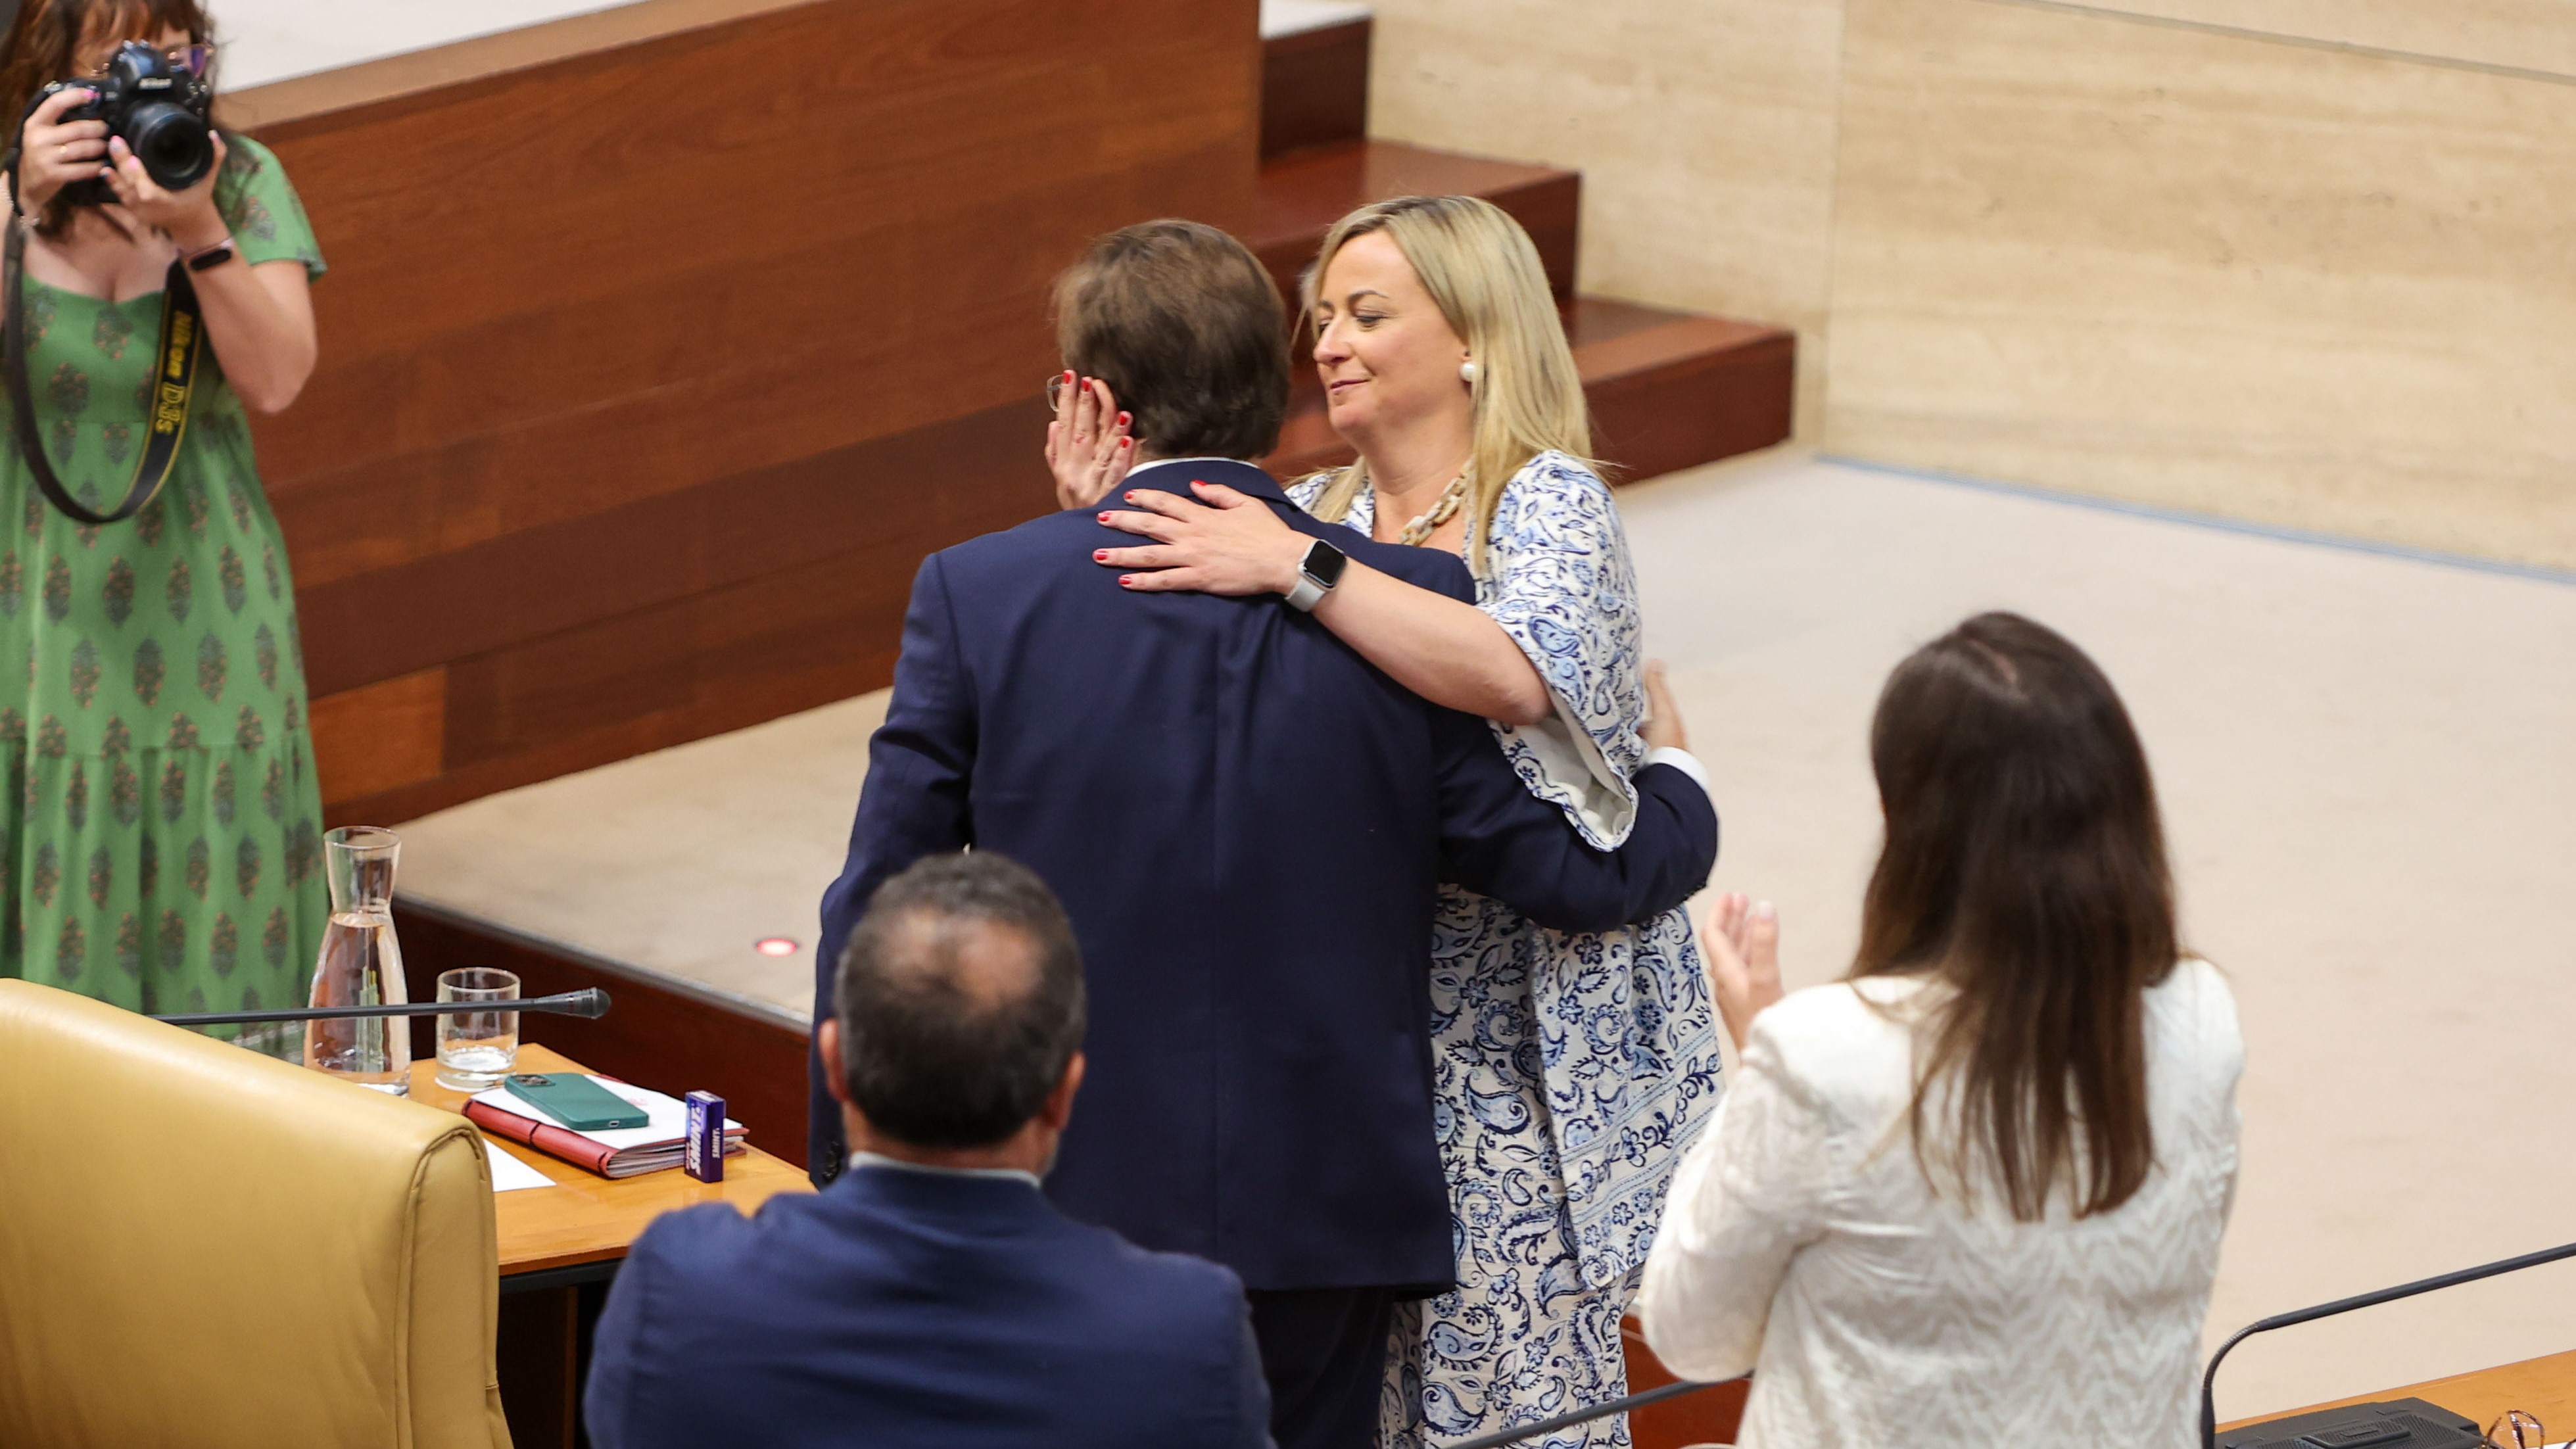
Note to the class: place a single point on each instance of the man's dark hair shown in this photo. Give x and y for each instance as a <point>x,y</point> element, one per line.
<point>1188,330</point>
<point>940,1054</point>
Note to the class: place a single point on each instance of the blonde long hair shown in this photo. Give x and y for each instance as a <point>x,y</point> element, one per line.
<point>1484,274</point>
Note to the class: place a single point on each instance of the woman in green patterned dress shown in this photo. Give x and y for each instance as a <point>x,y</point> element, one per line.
<point>160,826</point>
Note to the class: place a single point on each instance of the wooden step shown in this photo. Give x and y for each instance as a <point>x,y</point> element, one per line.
<point>1300,196</point>
<point>1668,390</point>
<point>1314,74</point>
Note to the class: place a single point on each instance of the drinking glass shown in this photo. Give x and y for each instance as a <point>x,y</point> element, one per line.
<point>361,964</point>
<point>476,1049</point>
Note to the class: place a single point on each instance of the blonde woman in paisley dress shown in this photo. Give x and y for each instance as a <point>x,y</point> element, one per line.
<point>1572,1070</point>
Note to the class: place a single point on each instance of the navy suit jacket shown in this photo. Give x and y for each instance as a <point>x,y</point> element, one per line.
<point>903,1308</point>
<point>1248,824</point>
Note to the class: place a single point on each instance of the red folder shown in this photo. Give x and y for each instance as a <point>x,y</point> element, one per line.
<point>581,1151</point>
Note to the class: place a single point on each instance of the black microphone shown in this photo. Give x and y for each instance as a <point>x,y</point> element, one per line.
<point>2209,1380</point>
<point>1597,1411</point>
<point>590,1003</point>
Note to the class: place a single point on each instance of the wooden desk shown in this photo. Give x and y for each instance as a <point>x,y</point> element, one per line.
<point>2544,1388</point>
<point>560,1245</point>
<point>576,1230</point>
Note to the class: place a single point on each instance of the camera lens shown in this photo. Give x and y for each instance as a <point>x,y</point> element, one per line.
<point>176,148</point>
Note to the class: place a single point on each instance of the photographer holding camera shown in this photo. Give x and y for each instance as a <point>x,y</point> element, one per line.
<point>159,817</point>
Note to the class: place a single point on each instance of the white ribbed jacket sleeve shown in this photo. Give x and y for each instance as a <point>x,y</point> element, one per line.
<point>1756,1187</point>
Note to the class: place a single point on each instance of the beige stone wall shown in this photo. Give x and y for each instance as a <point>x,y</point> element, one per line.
<point>2233,274</point>
<point>2305,262</point>
<point>1704,130</point>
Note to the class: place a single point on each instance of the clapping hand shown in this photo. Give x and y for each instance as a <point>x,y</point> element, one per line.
<point>1087,446</point>
<point>1743,946</point>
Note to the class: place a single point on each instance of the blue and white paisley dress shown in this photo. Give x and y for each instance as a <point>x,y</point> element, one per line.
<point>1572,1070</point>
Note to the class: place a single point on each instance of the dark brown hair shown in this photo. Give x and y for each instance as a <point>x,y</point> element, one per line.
<point>1187,329</point>
<point>930,1059</point>
<point>2025,867</point>
<point>45,43</point>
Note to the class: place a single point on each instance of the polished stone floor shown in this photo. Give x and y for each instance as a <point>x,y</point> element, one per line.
<point>2368,765</point>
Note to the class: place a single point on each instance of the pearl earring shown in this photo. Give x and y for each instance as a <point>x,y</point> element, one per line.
<point>1467,373</point>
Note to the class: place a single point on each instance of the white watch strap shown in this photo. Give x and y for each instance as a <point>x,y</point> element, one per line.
<point>1306,595</point>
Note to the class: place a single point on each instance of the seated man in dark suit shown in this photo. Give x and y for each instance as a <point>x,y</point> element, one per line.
<point>1248,824</point>
<point>931,1296</point>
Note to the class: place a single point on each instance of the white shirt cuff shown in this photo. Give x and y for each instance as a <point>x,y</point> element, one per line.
<point>1684,761</point>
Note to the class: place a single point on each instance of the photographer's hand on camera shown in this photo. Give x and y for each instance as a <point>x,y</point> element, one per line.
<point>187,217</point>
<point>259,320</point>
<point>53,153</point>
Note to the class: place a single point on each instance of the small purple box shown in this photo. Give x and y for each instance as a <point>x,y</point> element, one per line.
<point>705,1159</point>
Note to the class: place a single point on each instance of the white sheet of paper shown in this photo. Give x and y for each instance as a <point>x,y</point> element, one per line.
<point>509,1174</point>
<point>666,1117</point>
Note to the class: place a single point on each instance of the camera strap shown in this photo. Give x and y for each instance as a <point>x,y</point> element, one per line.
<point>174,380</point>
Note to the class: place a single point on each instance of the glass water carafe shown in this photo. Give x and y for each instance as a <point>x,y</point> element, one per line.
<point>361,964</point>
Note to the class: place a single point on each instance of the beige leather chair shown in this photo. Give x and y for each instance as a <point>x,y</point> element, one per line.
<point>201,1246</point>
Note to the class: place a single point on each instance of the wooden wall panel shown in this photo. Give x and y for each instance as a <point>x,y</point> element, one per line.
<point>891,498</point>
<point>382,736</point>
<point>1708,1416</point>
<point>1314,88</point>
<point>796,616</point>
<point>1718,389</point>
<point>642,359</point>
<point>1301,197</point>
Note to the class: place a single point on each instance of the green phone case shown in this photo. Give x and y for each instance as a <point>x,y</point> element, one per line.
<point>575,1101</point>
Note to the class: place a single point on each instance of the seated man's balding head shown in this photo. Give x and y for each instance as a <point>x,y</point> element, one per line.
<point>960,1003</point>
<point>983,965</point>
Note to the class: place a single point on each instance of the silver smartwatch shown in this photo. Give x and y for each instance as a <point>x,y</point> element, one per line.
<point>1317,572</point>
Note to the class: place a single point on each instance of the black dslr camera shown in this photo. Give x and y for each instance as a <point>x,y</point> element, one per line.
<point>162,111</point>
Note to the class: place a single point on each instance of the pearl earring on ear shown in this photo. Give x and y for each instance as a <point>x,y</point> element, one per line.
<point>1467,373</point>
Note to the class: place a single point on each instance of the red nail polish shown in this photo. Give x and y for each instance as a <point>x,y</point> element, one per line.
<point>1131,497</point>
<point>1100,555</point>
<point>1124,419</point>
<point>1126,581</point>
<point>1125,443</point>
<point>1104,518</point>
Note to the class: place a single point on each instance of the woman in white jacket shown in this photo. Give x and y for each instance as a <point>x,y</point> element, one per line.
<point>1971,1195</point>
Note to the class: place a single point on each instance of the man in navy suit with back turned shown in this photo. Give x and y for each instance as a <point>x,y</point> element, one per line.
<point>1248,824</point>
<point>930,1298</point>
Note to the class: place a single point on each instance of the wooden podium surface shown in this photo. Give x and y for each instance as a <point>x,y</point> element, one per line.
<point>588,1219</point>
<point>2544,1388</point>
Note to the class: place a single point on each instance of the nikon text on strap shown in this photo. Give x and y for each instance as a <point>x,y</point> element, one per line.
<point>174,379</point>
